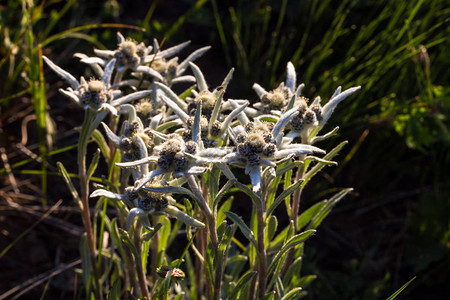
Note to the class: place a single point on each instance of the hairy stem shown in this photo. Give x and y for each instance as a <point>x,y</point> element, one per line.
<point>138,261</point>
<point>295,209</point>
<point>211,220</point>
<point>84,186</point>
<point>262,269</point>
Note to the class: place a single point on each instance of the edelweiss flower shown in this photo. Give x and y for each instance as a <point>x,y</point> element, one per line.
<point>152,199</point>
<point>137,57</point>
<point>176,157</point>
<point>261,144</point>
<point>213,124</point>
<point>94,94</point>
<point>310,118</point>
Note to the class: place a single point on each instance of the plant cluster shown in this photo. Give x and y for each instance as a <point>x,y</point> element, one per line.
<point>175,159</point>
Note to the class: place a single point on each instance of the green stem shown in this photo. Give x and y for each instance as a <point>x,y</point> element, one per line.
<point>84,186</point>
<point>262,270</point>
<point>138,261</point>
<point>211,220</point>
<point>295,209</point>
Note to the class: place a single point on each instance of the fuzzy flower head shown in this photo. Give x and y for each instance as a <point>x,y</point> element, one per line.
<point>129,53</point>
<point>276,99</point>
<point>95,94</point>
<point>153,199</point>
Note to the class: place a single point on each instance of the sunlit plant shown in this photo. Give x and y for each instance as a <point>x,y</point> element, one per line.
<point>175,160</point>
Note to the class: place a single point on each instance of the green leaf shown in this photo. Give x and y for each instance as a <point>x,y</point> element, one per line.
<point>394,295</point>
<point>170,190</point>
<point>93,165</point>
<point>236,263</point>
<point>286,193</point>
<point>292,242</point>
<point>148,235</point>
<point>243,227</point>
<point>315,222</point>
<point>292,273</point>
<point>293,294</point>
<point>98,137</point>
<point>305,217</point>
<point>127,241</point>
<point>320,165</point>
<point>85,261</point>
<point>69,183</point>
<point>225,206</point>
<point>272,224</point>
<point>253,196</point>
<point>241,285</point>
<point>165,231</point>
<point>114,293</point>
<point>306,280</point>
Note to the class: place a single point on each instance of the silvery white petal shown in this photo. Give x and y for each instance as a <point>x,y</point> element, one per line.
<point>201,82</point>
<point>298,92</point>
<point>227,79</point>
<point>282,122</point>
<point>120,38</point>
<point>231,116</point>
<point>132,215</point>
<point>155,121</point>
<point>290,137</point>
<point>93,60</point>
<point>149,71</point>
<point>129,82</point>
<point>142,153</point>
<point>316,100</point>
<point>260,91</point>
<point>107,54</point>
<point>291,77</point>
<point>255,176</point>
<point>204,160</point>
<point>172,95</point>
<point>185,218</point>
<point>196,134</point>
<point>64,74</point>
<point>242,117</point>
<point>195,170</point>
<point>216,109</point>
<point>149,177</point>
<point>215,152</point>
<point>71,95</point>
<point>328,108</point>
<point>193,56</point>
<point>302,147</point>
<point>129,110</point>
<point>130,97</point>
<point>116,93</point>
<point>266,162</point>
<point>98,118</point>
<point>186,78</point>
<point>336,92</point>
<point>135,163</point>
<point>160,135</point>
<point>176,109</point>
<point>251,112</point>
<point>109,108</point>
<point>172,51</point>
<point>325,136</point>
<point>109,68</point>
<point>108,194</point>
<point>226,171</point>
<point>295,151</point>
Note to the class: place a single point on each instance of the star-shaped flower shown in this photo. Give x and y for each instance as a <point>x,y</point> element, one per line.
<point>95,94</point>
